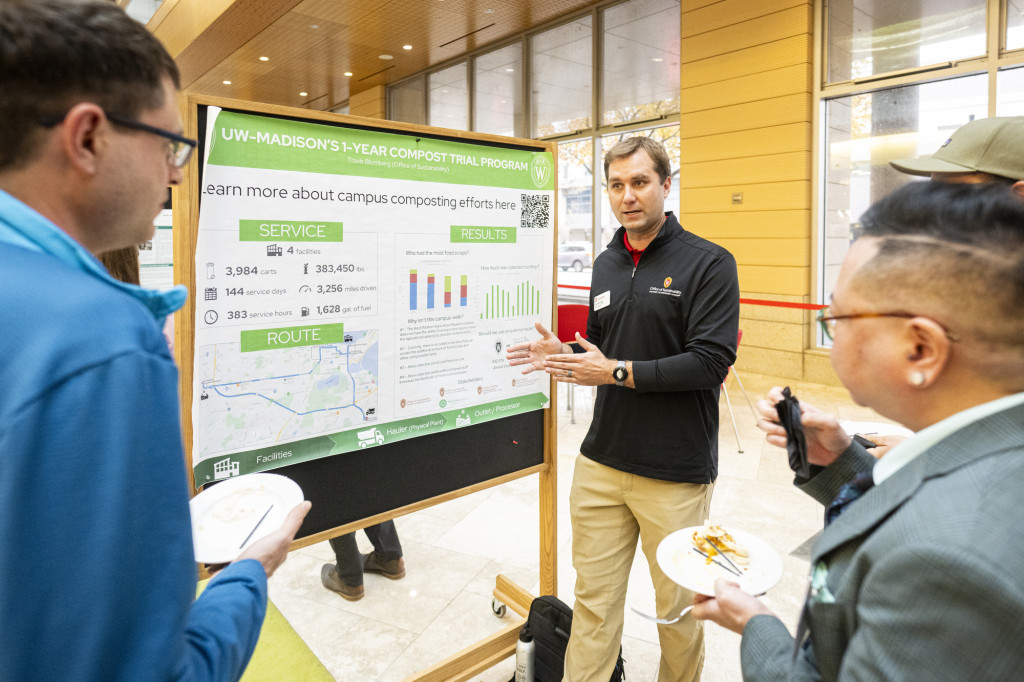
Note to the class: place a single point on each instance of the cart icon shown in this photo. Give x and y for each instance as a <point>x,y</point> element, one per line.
<point>370,437</point>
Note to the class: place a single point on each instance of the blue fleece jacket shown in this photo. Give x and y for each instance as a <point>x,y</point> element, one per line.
<point>97,576</point>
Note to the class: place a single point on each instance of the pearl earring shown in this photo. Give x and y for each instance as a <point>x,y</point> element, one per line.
<point>917,378</point>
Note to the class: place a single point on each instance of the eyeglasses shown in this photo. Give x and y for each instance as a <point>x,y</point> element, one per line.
<point>828,322</point>
<point>180,148</point>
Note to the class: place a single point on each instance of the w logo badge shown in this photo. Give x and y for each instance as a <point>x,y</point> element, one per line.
<point>540,170</point>
<point>668,281</point>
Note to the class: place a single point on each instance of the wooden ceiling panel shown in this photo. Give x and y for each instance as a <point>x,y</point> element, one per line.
<point>311,46</point>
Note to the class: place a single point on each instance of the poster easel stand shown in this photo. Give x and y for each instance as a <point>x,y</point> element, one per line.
<point>475,458</point>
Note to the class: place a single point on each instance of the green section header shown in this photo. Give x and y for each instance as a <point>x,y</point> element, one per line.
<point>465,234</point>
<point>291,337</point>
<point>248,141</point>
<point>288,231</point>
<point>369,435</point>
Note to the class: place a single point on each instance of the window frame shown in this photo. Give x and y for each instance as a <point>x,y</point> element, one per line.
<point>995,59</point>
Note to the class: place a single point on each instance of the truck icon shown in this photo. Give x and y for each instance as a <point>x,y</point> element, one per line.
<point>370,437</point>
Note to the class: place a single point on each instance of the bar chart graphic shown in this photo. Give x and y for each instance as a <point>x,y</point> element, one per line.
<point>516,300</point>
<point>448,301</point>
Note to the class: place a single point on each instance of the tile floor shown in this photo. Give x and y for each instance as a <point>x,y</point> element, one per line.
<point>454,550</point>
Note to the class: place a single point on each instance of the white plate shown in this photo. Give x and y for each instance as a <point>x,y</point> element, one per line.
<point>225,514</point>
<point>691,570</point>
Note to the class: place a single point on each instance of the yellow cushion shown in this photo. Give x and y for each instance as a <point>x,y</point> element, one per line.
<point>280,653</point>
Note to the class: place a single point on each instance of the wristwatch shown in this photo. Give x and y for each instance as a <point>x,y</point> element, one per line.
<point>620,373</point>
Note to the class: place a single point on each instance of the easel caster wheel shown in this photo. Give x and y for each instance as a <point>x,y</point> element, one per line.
<point>498,608</point>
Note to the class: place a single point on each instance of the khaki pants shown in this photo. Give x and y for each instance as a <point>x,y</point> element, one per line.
<point>610,509</point>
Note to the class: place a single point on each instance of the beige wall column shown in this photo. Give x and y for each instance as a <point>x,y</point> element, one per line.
<point>371,103</point>
<point>745,183</point>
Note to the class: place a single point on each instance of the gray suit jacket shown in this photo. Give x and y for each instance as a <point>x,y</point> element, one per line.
<point>924,574</point>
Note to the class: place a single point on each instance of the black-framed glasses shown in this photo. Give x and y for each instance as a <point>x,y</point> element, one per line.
<point>828,322</point>
<point>181,147</point>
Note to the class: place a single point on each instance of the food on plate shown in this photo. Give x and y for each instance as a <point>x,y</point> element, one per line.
<point>721,539</point>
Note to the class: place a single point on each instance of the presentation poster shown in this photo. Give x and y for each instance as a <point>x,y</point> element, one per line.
<point>156,256</point>
<point>358,287</point>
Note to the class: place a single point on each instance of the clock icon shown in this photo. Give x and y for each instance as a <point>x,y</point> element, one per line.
<point>210,317</point>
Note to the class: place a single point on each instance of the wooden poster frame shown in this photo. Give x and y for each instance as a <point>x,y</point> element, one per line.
<point>185,202</point>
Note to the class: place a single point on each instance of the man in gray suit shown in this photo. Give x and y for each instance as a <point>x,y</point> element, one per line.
<point>918,577</point>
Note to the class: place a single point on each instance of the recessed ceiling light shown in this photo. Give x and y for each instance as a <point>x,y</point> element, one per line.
<point>657,59</point>
<point>264,59</point>
<point>348,73</point>
<point>227,82</point>
<point>406,47</point>
<point>314,26</point>
<point>385,56</point>
<point>509,70</point>
<point>303,94</point>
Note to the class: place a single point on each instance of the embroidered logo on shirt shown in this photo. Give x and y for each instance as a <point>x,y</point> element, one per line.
<point>664,289</point>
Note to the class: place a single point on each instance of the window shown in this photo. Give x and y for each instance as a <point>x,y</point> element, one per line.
<point>947,69</point>
<point>142,10</point>
<point>640,61</point>
<point>575,190</point>
<point>498,92</point>
<point>864,132</point>
<point>867,37</point>
<point>561,75</point>
<point>449,98</point>
<point>1010,97</point>
<point>405,102</point>
<point>1014,24</point>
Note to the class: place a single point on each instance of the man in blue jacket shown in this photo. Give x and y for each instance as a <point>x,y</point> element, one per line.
<point>97,577</point>
<point>661,336</point>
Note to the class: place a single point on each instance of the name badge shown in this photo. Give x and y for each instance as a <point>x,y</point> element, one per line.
<point>602,300</point>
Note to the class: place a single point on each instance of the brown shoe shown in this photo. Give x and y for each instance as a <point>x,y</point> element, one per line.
<point>333,582</point>
<point>393,569</point>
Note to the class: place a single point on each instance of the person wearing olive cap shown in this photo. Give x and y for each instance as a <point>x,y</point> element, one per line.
<point>983,150</point>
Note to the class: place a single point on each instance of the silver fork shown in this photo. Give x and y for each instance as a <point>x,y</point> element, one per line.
<point>662,621</point>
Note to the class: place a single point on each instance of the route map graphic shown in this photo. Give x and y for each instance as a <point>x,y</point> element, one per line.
<point>258,399</point>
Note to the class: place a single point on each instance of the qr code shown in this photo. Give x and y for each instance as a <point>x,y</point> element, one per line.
<point>535,211</point>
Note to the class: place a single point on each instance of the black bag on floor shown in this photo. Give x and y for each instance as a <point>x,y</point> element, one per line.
<point>550,622</point>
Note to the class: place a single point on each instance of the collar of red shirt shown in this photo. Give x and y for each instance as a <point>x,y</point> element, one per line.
<point>635,253</point>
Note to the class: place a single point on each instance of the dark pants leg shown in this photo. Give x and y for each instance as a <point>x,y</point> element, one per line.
<point>383,536</point>
<point>348,559</point>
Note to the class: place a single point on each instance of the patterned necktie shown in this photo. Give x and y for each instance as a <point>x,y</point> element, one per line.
<point>860,484</point>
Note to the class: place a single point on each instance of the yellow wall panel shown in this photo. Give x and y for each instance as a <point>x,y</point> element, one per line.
<point>777,335</point>
<point>752,60</point>
<point>793,224</point>
<point>768,361</point>
<point>784,24</point>
<point>765,313</point>
<point>746,143</point>
<point>786,252</point>
<point>767,112</point>
<point>755,169</point>
<point>773,196</point>
<point>729,12</point>
<point>370,103</point>
<point>690,5</point>
<point>818,368</point>
<point>775,280</point>
<point>770,84</point>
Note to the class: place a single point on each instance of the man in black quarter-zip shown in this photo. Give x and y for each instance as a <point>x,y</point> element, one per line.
<point>661,336</point>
